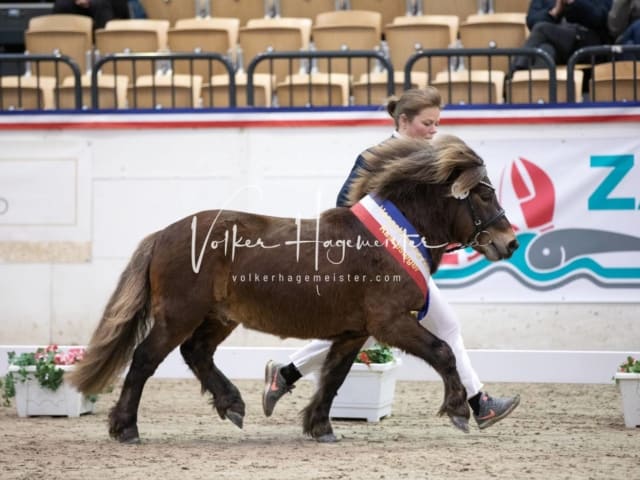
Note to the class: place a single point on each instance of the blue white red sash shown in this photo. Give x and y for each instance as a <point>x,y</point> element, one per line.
<point>392,230</point>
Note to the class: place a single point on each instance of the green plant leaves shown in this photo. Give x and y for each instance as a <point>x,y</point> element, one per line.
<point>377,354</point>
<point>48,374</point>
<point>630,366</point>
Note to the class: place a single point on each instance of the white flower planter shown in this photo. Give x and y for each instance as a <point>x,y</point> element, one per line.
<point>367,392</point>
<point>33,400</point>
<point>629,384</point>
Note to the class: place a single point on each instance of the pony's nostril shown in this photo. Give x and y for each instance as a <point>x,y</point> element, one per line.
<point>513,245</point>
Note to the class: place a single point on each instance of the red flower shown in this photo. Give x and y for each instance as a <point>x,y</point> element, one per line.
<point>364,358</point>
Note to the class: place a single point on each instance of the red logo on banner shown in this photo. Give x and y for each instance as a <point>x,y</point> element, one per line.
<point>534,189</point>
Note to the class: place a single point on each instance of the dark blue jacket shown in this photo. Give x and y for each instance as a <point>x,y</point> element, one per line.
<point>343,195</point>
<point>588,13</point>
<point>361,164</point>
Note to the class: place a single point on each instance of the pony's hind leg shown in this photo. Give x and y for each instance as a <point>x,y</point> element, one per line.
<point>198,352</point>
<point>123,417</point>
<point>316,421</point>
<point>407,334</point>
<point>165,335</point>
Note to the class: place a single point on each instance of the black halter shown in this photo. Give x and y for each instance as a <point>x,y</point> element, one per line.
<point>480,226</point>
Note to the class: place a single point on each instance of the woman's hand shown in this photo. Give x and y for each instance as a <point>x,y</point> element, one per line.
<point>558,8</point>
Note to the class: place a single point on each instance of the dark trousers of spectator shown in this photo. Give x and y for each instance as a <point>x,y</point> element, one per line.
<point>559,40</point>
<point>100,10</point>
<point>631,36</point>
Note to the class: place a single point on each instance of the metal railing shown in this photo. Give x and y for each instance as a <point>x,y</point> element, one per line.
<point>471,57</point>
<point>161,70</point>
<point>43,73</point>
<point>32,65</point>
<point>306,60</point>
<point>613,54</point>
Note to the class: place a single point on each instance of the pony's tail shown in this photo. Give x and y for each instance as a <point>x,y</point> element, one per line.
<point>123,325</point>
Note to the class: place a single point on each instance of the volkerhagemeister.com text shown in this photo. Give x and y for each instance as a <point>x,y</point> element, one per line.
<point>316,278</point>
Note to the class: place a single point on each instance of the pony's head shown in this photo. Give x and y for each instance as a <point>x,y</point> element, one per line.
<point>442,187</point>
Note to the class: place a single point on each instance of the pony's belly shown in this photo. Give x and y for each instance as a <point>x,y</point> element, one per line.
<point>300,311</point>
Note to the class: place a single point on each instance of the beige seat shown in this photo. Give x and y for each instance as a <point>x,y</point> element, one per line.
<point>388,9</point>
<point>407,35</point>
<point>69,35</point>
<point>305,8</point>
<point>132,36</point>
<point>216,92</point>
<point>347,30</point>
<point>26,92</point>
<point>520,86</point>
<point>112,92</point>
<point>498,30</point>
<point>302,23</point>
<point>624,76</point>
<point>350,18</point>
<point>165,91</point>
<point>219,35</point>
<point>228,26</point>
<point>506,17</point>
<point>173,10</point>
<point>244,10</point>
<point>518,6</point>
<point>277,34</point>
<point>460,8</point>
<point>314,90</point>
<point>160,27</point>
<point>371,89</point>
<point>471,87</point>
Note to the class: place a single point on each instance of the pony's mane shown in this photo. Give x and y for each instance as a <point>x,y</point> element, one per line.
<point>406,164</point>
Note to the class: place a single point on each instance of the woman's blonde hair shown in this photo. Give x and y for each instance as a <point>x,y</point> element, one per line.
<point>412,102</point>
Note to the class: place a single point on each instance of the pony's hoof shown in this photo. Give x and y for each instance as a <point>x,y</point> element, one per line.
<point>460,423</point>
<point>327,438</point>
<point>235,418</point>
<point>130,441</point>
<point>127,436</point>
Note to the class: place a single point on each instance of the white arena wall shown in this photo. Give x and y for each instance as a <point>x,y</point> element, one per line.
<point>78,191</point>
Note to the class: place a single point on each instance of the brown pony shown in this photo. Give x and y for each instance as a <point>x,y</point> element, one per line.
<point>195,281</point>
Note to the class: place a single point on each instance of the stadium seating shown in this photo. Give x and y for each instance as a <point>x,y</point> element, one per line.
<point>317,89</point>
<point>499,30</point>
<point>112,92</point>
<point>165,91</point>
<point>532,86</point>
<point>347,30</point>
<point>219,35</point>
<point>277,34</point>
<point>616,81</point>
<point>371,88</point>
<point>468,87</point>
<point>69,35</point>
<point>409,34</point>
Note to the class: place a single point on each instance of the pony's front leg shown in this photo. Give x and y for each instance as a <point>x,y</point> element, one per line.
<point>316,421</point>
<point>407,334</point>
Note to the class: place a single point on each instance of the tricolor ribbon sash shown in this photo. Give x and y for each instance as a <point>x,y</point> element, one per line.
<point>392,230</point>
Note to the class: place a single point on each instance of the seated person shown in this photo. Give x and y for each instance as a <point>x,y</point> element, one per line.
<point>100,10</point>
<point>561,27</point>
<point>624,22</point>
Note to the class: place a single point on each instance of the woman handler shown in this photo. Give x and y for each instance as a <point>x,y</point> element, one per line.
<point>416,114</point>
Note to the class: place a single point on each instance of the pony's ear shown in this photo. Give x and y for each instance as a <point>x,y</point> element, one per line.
<point>457,192</point>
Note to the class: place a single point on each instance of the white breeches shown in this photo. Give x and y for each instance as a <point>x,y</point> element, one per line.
<point>440,320</point>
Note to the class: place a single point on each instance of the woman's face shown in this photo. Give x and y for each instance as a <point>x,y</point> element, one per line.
<point>424,125</point>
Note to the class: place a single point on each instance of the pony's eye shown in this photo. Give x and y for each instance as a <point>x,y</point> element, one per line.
<point>485,192</point>
<point>486,196</point>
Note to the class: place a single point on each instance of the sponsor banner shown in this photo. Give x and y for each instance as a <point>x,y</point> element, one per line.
<point>575,205</point>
